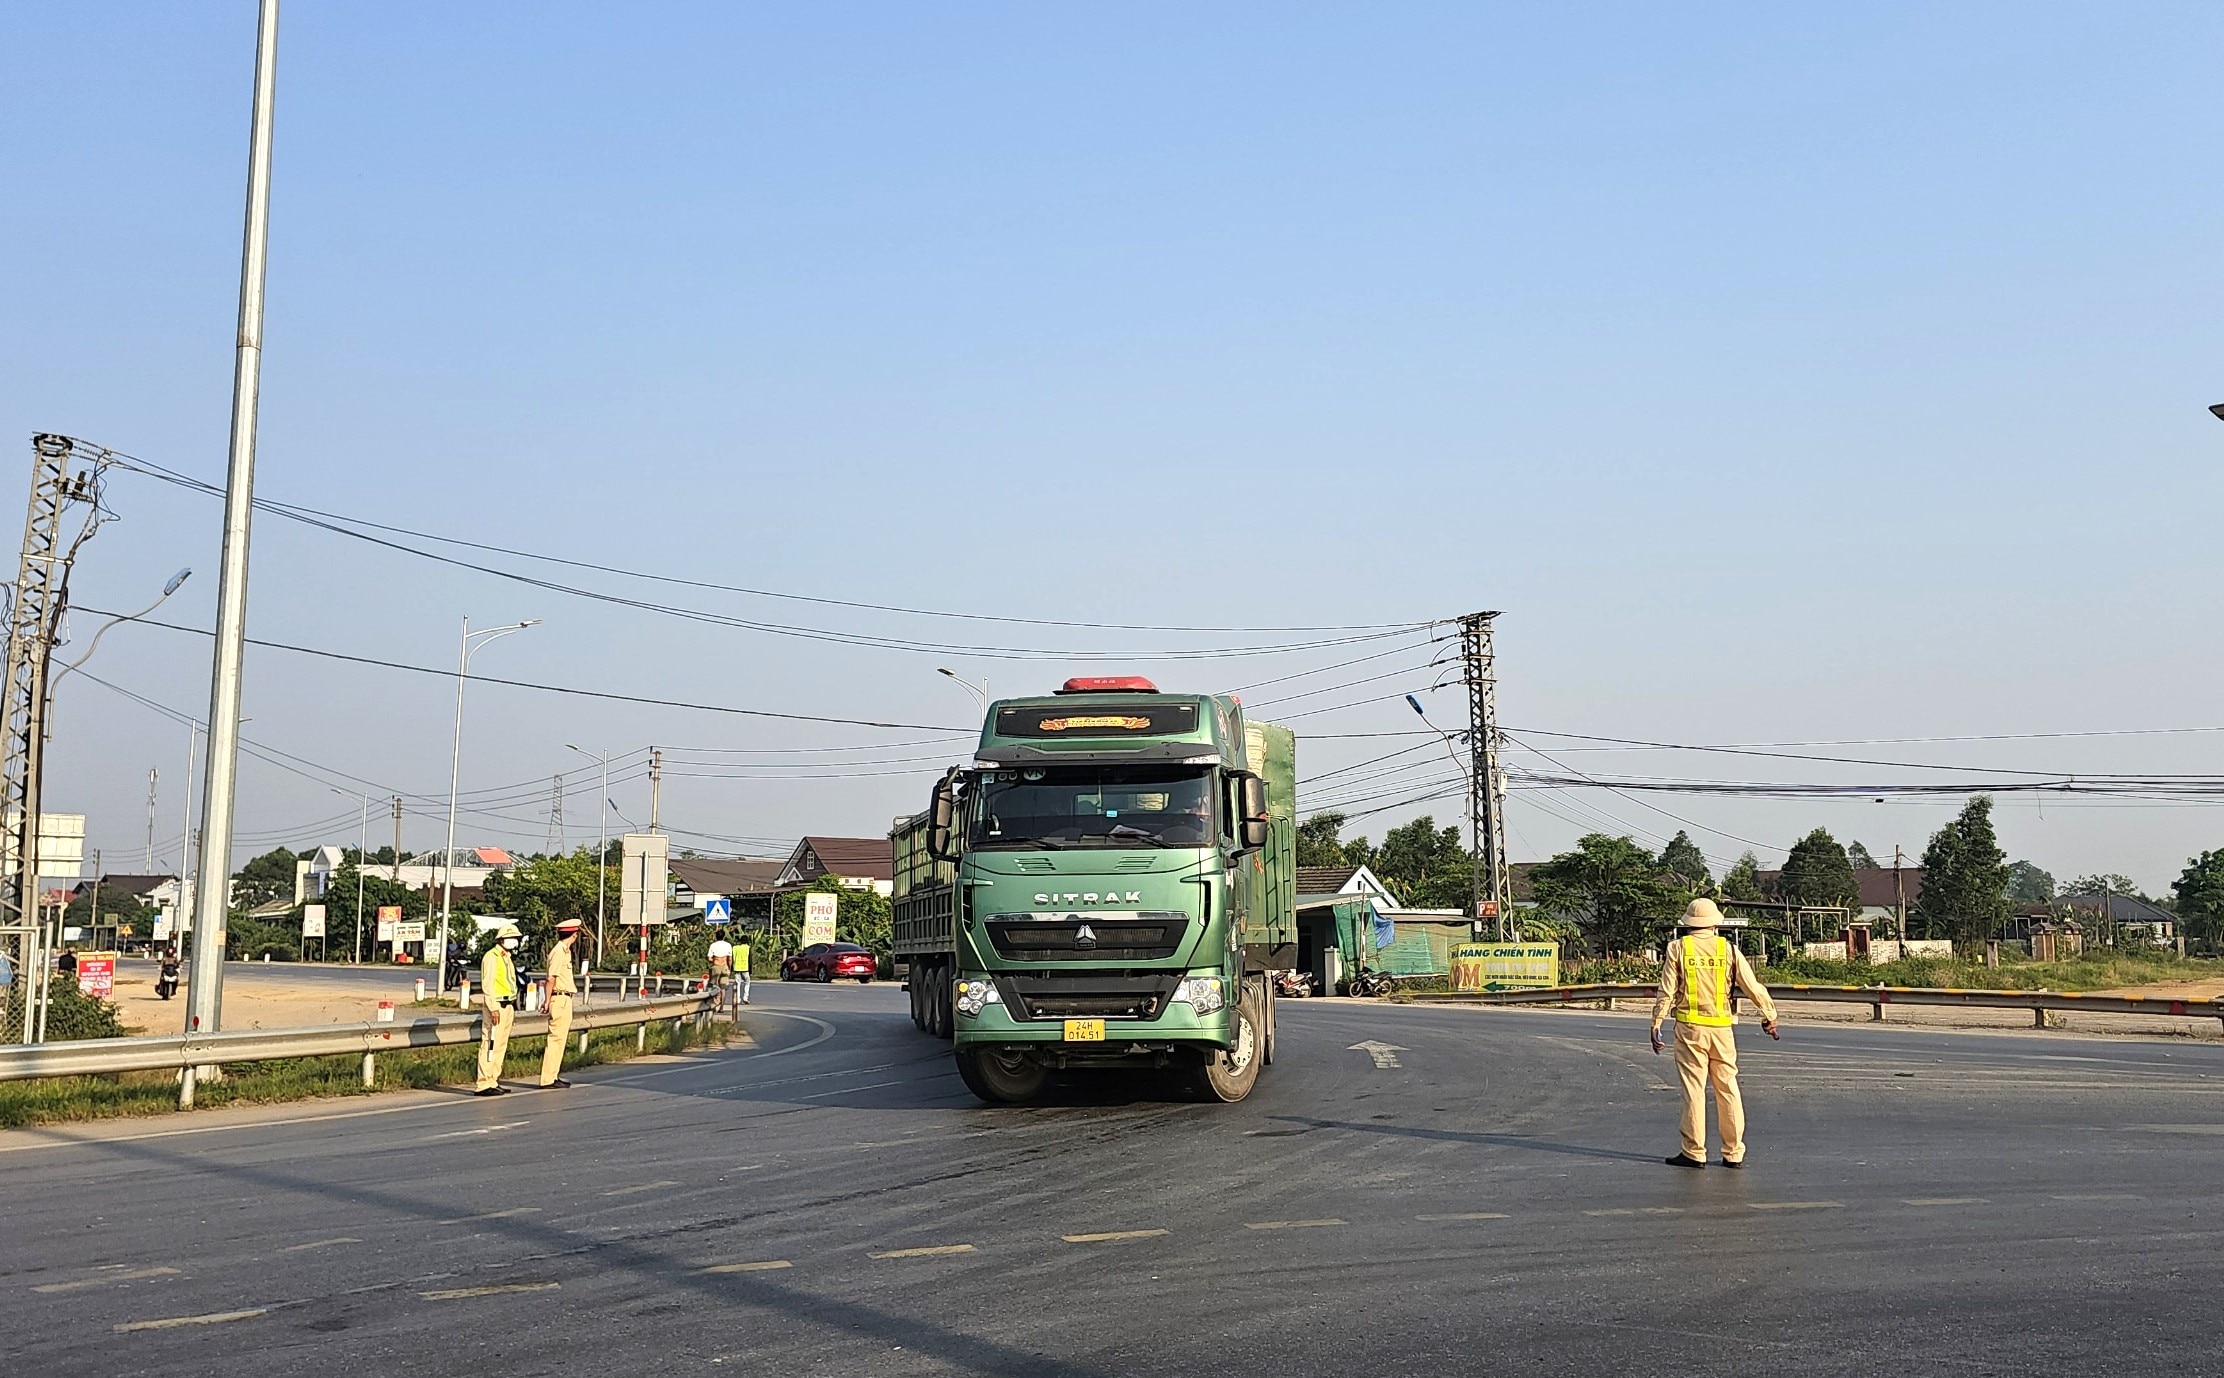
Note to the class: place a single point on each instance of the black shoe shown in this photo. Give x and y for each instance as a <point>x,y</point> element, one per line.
<point>1737,1164</point>
<point>493,1091</point>
<point>1679,1160</point>
<point>552,1085</point>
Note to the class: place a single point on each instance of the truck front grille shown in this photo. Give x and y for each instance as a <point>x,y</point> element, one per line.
<point>1100,995</point>
<point>1085,938</point>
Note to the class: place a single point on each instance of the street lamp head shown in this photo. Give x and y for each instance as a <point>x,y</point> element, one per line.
<point>1415,700</point>
<point>530,622</point>
<point>176,580</point>
<point>2217,411</point>
<point>941,670</point>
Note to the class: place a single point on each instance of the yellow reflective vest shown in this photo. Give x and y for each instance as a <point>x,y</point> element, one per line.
<point>498,975</point>
<point>1696,976</point>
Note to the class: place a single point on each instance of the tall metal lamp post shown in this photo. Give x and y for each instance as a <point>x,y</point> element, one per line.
<point>470,641</point>
<point>602,833</point>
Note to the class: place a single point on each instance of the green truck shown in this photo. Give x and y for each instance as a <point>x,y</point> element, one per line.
<point>1107,884</point>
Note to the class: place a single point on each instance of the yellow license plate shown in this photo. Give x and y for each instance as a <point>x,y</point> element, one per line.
<point>1084,1031</point>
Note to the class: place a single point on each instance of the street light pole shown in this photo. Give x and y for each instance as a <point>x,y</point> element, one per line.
<point>602,847</point>
<point>464,648</point>
<point>979,691</point>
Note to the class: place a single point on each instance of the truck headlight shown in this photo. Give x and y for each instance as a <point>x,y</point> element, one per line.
<point>974,992</point>
<point>1201,993</point>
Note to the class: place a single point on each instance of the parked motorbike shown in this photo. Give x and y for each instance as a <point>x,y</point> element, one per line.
<point>1368,982</point>
<point>166,981</point>
<point>1293,983</point>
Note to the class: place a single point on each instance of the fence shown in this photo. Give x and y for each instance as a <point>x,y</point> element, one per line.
<point>1877,998</point>
<point>187,1054</point>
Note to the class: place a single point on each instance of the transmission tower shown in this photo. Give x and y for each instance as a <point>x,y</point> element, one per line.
<point>64,476</point>
<point>555,845</point>
<point>1486,779</point>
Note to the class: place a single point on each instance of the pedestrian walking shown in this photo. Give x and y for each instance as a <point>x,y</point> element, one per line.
<point>1700,975</point>
<point>721,958</point>
<point>498,987</point>
<point>563,985</point>
<point>741,968</point>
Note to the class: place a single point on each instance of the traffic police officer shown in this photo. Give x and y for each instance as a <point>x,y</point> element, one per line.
<point>498,987</point>
<point>1696,976</point>
<point>563,984</point>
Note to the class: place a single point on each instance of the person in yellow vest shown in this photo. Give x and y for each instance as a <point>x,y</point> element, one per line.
<point>498,987</point>
<point>563,984</point>
<point>741,969</point>
<point>1696,986</point>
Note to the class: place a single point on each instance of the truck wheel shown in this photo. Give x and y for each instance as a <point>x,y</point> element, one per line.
<point>945,1012</point>
<point>1229,1074</point>
<point>917,992</point>
<point>999,1077</point>
<point>1273,1034</point>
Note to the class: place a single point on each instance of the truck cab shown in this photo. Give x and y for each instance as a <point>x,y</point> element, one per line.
<point>1105,884</point>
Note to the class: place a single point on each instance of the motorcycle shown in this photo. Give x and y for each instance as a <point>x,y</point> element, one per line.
<point>166,981</point>
<point>1368,982</point>
<point>1294,984</point>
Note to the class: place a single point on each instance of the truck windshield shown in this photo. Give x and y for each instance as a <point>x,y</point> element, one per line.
<point>1094,806</point>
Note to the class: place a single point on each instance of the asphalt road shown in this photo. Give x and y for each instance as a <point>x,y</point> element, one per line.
<point>831,1201</point>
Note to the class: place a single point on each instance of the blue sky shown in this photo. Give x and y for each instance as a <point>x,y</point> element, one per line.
<point>1782,374</point>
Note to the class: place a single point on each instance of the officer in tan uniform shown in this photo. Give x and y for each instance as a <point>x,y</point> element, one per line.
<point>1696,978</point>
<point>498,987</point>
<point>563,985</point>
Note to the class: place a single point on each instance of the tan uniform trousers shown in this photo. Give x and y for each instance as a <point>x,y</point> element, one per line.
<point>495,1045</point>
<point>559,1031</point>
<point>1708,1053</point>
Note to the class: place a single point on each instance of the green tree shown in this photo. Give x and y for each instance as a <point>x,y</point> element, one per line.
<point>1426,867</point>
<point>1743,880</point>
<point>1318,843</point>
<point>340,918</point>
<point>1859,857</point>
<point>1682,857</point>
<point>1965,877</point>
<point>2027,884</point>
<point>2199,892</point>
<point>1818,873</point>
<point>1613,888</point>
<point>2106,882</point>
<point>541,893</point>
<point>865,917</point>
<point>266,878</point>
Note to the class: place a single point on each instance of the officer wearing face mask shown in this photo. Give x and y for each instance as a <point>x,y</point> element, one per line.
<point>498,982</point>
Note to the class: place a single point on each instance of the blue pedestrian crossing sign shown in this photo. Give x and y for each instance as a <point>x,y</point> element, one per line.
<point>717,909</point>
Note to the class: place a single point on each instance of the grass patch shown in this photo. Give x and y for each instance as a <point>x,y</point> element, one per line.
<point>57,1099</point>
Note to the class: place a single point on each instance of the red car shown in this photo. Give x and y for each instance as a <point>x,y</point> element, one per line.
<point>827,961</point>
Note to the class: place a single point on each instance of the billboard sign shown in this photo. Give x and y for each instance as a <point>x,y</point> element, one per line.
<point>819,909</point>
<point>1479,967</point>
<point>409,932</point>
<point>312,921</point>
<point>388,916</point>
<point>96,974</point>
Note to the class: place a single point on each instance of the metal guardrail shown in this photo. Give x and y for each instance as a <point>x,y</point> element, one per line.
<point>187,1053</point>
<point>1877,998</point>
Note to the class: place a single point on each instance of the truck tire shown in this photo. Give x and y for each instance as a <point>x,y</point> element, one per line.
<point>1229,1074</point>
<point>917,992</point>
<point>1273,1034</point>
<point>1001,1078</point>
<point>946,1027</point>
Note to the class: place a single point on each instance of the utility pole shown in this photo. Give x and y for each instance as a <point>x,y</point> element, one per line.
<point>656,787</point>
<point>60,476</point>
<point>211,903</point>
<point>1486,779</point>
<point>555,843</point>
<point>153,777</point>
<point>1899,896</point>
<point>397,871</point>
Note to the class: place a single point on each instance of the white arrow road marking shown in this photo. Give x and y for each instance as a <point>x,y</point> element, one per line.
<point>1384,1054</point>
<point>488,1129</point>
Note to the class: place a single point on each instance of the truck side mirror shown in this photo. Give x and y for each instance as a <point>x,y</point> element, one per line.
<point>1252,791</point>
<point>943,812</point>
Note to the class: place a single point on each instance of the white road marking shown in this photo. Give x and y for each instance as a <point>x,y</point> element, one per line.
<point>104,1279</point>
<point>1107,1236</point>
<point>213,1318</point>
<point>767,1266</point>
<point>321,1243</point>
<point>495,1290</point>
<point>2098,1196</point>
<point>636,1191</point>
<point>1467,1215</point>
<point>1945,1201</point>
<point>484,1129</point>
<point>1640,1210</point>
<point>1292,1224</point>
<point>851,1090</point>
<point>492,1215</point>
<point>1384,1054</point>
<point>935,1251</point>
<point>1797,1205</point>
